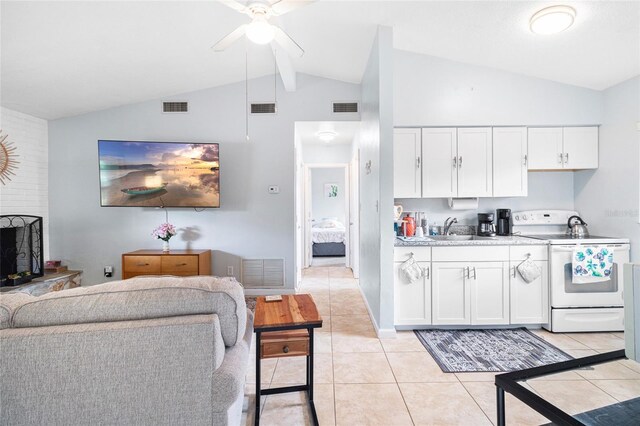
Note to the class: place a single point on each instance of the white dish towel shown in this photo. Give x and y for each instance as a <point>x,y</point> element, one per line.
<point>591,264</point>
<point>410,270</point>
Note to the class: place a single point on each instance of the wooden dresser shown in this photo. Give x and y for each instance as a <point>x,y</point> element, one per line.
<point>157,262</point>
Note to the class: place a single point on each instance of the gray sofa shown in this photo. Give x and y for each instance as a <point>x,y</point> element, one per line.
<point>149,350</point>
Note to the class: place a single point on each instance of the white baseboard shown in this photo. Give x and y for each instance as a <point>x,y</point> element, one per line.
<point>382,333</point>
<point>267,291</point>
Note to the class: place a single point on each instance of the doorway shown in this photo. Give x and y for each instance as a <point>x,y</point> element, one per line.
<point>326,195</point>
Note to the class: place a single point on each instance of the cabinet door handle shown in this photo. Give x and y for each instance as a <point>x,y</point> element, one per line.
<point>455,162</point>
<point>427,273</point>
<point>566,158</point>
<point>560,160</point>
<point>418,163</point>
<point>466,272</point>
<point>142,264</point>
<point>513,271</point>
<point>475,275</point>
<point>526,160</point>
<point>181,264</point>
<point>460,162</point>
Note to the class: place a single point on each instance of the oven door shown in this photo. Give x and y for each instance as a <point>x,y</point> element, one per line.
<point>566,294</point>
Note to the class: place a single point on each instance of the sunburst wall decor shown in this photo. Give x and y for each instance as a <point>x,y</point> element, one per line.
<point>8,161</point>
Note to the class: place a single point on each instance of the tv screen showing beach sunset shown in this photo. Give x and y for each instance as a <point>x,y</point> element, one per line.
<point>159,174</point>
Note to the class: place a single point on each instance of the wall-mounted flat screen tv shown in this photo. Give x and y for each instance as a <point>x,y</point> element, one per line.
<point>159,174</point>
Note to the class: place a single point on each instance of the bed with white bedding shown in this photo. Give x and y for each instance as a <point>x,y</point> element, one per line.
<point>328,238</point>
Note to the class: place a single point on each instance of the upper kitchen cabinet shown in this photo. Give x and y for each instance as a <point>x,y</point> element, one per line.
<point>580,147</point>
<point>456,162</point>
<point>407,164</point>
<point>563,148</point>
<point>510,162</point>
<point>440,159</point>
<point>474,162</point>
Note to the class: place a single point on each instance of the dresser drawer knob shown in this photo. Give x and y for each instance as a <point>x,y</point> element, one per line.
<point>285,349</point>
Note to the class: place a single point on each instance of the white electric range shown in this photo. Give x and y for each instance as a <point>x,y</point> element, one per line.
<point>576,307</point>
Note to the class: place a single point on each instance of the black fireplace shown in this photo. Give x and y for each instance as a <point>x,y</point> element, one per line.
<point>21,246</point>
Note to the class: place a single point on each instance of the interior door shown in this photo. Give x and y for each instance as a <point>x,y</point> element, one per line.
<point>407,166</point>
<point>489,293</point>
<point>299,215</point>
<point>450,293</point>
<point>308,250</point>
<point>580,147</point>
<point>545,148</point>
<point>510,174</point>
<point>529,301</point>
<point>439,160</point>
<point>475,162</point>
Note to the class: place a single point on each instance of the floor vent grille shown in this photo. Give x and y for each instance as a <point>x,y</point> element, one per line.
<point>263,273</point>
<point>175,107</point>
<point>264,108</point>
<point>340,107</point>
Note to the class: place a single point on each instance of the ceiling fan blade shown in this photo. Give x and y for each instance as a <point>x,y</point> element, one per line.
<point>284,6</point>
<point>235,5</point>
<point>230,38</point>
<point>287,43</point>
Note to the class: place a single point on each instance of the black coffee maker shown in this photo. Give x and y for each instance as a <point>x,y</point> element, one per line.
<point>486,227</point>
<point>505,226</point>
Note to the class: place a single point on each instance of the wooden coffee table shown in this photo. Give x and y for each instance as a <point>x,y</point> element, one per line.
<point>283,329</point>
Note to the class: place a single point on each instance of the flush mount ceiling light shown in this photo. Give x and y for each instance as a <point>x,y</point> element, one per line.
<point>552,20</point>
<point>260,31</point>
<point>326,136</point>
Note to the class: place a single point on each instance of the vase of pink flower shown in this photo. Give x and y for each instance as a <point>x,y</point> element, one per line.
<point>164,232</point>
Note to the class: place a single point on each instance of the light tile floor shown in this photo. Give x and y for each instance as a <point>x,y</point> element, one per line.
<point>363,380</point>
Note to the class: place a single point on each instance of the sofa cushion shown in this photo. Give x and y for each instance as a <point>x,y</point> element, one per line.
<point>136,299</point>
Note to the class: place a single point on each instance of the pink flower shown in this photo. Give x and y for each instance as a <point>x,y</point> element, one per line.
<point>164,232</point>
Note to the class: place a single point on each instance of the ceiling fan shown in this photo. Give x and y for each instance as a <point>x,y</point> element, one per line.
<point>259,30</point>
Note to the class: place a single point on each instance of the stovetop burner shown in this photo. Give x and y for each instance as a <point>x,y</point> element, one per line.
<point>564,237</point>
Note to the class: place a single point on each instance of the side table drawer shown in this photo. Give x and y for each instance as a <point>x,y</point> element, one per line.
<point>142,264</point>
<point>180,265</point>
<point>284,343</point>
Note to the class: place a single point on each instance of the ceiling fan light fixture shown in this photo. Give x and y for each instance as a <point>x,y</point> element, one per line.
<point>552,20</point>
<point>326,136</point>
<point>260,32</point>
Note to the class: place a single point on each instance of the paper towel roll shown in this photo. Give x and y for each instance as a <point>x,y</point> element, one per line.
<point>463,203</point>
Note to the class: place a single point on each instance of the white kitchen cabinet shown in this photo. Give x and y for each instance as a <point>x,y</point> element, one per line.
<point>529,301</point>
<point>489,292</point>
<point>451,300</point>
<point>510,170</point>
<point>412,301</point>
<point>439,160</point>
<point>563,148</point>
<point>474,162</point>
<point>407,163</point>
<point>580,147</point>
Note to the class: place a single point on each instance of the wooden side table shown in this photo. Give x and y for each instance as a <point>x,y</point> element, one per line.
<point>285,328</point>
<point>174,262</point>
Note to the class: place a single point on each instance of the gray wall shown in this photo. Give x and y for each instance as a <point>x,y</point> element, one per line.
<point>376,183</point>
<point>321,205</point>
<point>430,91</point>
<point>250,223</point>
<point>608,197</point>
<point>327,153</point>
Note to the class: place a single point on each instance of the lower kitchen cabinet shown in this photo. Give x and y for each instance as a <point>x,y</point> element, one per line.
<point>412,300</point>
<point>450,289</point>
<point>530,301</point>
<point>489,285</point>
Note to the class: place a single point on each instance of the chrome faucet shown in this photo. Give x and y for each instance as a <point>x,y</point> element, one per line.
<point>447,224</point>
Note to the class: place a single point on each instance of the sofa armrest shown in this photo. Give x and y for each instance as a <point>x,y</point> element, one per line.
<point>155,371</point>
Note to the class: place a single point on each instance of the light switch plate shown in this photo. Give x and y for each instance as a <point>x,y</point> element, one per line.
<point>274,189</point>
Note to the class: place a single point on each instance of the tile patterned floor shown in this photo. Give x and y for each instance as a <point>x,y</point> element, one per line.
<point>363,380</point>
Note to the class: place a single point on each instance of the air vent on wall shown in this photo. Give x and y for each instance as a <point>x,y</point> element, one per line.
<point>339,107</point>
<point>175,107</point>
<point>265,108</point>
<point>264,273</point>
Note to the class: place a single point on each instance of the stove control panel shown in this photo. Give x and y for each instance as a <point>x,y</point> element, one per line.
<point>542,217</point>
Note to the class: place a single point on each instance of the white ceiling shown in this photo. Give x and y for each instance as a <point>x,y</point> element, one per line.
<point>67,58</point>
<point>345,131</point>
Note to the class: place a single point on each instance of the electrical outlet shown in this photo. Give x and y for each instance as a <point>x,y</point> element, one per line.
<point>274,189</point>
<point>230,271</point>
<point>108,271</point>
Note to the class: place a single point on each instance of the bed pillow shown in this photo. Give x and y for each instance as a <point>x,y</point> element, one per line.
<point>328,223</point>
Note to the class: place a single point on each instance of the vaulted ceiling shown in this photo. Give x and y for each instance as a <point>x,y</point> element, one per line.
<point>66,58</point>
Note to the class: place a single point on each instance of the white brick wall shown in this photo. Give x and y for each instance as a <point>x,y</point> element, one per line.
<point>27,191</point>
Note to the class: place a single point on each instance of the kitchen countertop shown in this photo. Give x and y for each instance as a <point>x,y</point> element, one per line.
<point>480,241</point>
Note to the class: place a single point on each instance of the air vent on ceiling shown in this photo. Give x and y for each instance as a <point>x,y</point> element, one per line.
<point>175,107</point>
<point>265,273</point>
<point>264,108</point>
<point>339,107</point>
